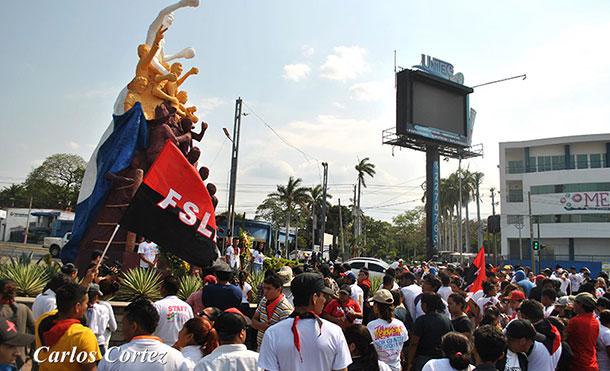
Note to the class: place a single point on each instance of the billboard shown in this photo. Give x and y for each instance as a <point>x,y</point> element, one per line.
<point>433,108</point>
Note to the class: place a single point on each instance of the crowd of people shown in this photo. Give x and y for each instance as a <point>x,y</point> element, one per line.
<point>318,316</point>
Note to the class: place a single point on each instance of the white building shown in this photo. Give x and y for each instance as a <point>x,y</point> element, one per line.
<point>568,179</point>
<point>16,219</point>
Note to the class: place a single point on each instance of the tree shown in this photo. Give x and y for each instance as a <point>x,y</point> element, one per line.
<point>363,168</point>
<point>290,195</point>
<point>477,178</point>
<point>315,203</point>
<point>14,195</point>
<point>410,228</point>
<point>54,184</point>
<point>467,195</point>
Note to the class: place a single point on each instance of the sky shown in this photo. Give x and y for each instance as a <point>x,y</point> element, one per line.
<point>319,72</point>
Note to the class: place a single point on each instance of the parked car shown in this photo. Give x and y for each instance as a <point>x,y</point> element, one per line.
<point>55,244</point>
<point>376,266</point>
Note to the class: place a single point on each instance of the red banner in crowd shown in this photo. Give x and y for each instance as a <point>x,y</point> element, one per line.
<point>481,275</point>
<point>173,208</point>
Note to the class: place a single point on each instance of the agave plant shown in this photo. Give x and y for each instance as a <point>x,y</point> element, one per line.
<point>188,285</point>
<point>255,280</point>
<point>375,284</point>
<point>30,278</point>
<point>140,283</point>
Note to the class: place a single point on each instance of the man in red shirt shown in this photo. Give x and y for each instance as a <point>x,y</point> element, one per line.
<point>582,332</point>
<point>344,310</point>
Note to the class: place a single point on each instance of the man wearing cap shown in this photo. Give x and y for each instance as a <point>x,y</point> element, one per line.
<point>304,341</point>
<point>19,313</point>
<point>523,345</point>
<point>285,274</point>
<point>549,337</point>
<point>582,332</point>
<point>98,316</point>
<point>343,310</point>
<point>222,295</point>
<point>11,343</point>
<point>195,299</point>
<point>232,354</point>
<point>356,292</point>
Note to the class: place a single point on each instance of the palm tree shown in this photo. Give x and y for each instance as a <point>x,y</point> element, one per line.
<point>315,202</point>
<point>467,195</point>
<point>477,178</point>
<point>364,167</point>
<point>449,196</point>
<point>290,195</point>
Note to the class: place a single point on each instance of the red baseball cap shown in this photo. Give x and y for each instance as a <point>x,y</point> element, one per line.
<point>540,277</point>
<point>517,295</point>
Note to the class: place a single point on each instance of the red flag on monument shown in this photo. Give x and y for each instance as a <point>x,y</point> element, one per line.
<point>481,276</point>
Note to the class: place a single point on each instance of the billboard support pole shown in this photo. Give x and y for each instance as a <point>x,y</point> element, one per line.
<point>432,199</point>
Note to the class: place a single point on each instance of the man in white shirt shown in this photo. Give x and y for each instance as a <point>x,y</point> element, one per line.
<point>576,280</point>
<point>46,301</point>
<point>523,338</point>
<point>232,354</point>
<point>232,255</point>
<point>98,317</point>
<point>357,294</point>
<point>429,284</point>
<point>139,321</point>
<point>410,290</point>
<point>148,252</point>
<point>304,341</point>
<point>173,312</point>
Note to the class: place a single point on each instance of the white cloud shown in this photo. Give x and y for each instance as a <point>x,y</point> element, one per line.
<point>73,145</point>
<point>307,51</point>
<point>339,105</point>
<point>347,63</point>
<point>296,72</point>
<point>372,91</point>
<point>209,104</point>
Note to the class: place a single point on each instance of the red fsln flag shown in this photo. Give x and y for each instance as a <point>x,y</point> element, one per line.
<point>479,262</point>
<point>173,208</point>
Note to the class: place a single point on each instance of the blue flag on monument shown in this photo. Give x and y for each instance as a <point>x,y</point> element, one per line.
<point>126,134</point>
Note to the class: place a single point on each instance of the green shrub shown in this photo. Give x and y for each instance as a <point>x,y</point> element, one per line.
<point>140,283</point>
<point>277,263</point>
<point>30,278</point>
<point>376,283</point>
<point>188,285</point>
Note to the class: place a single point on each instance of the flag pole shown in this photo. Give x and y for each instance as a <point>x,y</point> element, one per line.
<point>107,246</point>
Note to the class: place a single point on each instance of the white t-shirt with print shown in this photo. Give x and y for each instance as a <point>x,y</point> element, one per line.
<point>486,302</point>
<point>244,292</point>
<point>512,361</point>
<point>442,365</point>
<point>173,313</point>
<point>388,339</point>
<point>603,341</point>
<point>149,250</point>
<point>322,347</point>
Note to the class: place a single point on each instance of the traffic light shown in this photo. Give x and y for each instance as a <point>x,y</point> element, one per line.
<point>536,245</point>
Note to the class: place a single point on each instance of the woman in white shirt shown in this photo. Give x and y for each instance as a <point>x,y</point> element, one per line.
<point>246,292</point>
<point>456,349</point>
<point>196,339</point>
<point>257,259</point>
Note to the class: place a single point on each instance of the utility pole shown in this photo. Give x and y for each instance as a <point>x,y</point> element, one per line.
<point>27,223</point>
<point>493,212</point>
<point>324,188</point>
<point>234,155</point>
<point>341,232</point>
<point>529,206</point>
<point>460,244</point>
<point>479,225</point>
<point>539,242</point>
<point>519,227</point>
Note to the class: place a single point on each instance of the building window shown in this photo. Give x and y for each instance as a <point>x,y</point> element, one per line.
<point>558,162</point>
<point>544,163</point>
<point>531,168</point>
<point>568,188</point>
<point>514,219</point>
<point>596,161</point>
<point>515,167</point>
<point>515,191</point>
<point>572,218</point>
<point>582,161</point>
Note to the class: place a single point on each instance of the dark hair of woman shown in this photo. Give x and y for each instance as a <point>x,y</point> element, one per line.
<point>364,357</point>
<point>204,334</point>
<point>432,302</point>
<point>386,311</point>
<point>456,347</point>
